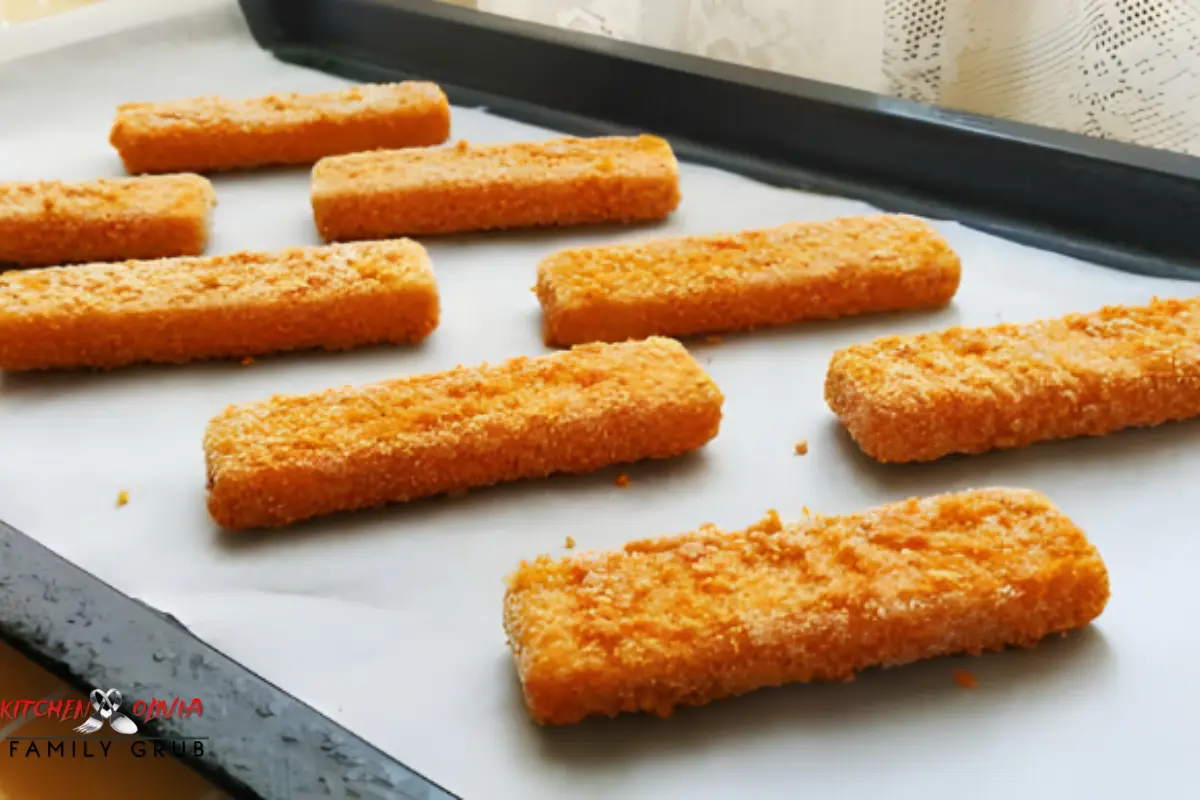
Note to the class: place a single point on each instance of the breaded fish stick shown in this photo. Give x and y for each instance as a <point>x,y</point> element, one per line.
<point>685,620</point>
<point>51,222</point>
<point>208,134</point>
<point>290,458</point>
<point>183,309</point>
<point>970,390</point>
<point>464,188</point>
<point>715,284</point>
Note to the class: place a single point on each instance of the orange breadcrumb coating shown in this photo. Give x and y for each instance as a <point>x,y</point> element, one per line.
<point>122,498</point>
<point>969,390</point>
<point>183,309</point>
<point>464,188</point>
<point>802,447</point>
<point>731,282</point>
<point>965,679</point>
<point>687,619</point>
<point>209,134</point>
<point>293,457</point>
<point>51,222</point>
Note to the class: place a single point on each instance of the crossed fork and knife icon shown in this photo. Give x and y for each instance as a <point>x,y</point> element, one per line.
<point>106,705</point>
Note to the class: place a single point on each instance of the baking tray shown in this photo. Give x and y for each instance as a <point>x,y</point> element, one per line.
<point>1122,206</point>
<point>258,742</point>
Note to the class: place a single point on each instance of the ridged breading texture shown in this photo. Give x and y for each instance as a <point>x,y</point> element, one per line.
<point>208,134</point>
<point>290,458</point>
<point>178,310</point>
<point>52,222</point>
<point>688,619</point>
<point>708,284</point>
<point>969,390</point>
<point>464,188</point>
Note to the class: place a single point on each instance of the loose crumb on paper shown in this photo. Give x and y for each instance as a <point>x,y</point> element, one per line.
<point>122,497</point>
<point>570,542</point>
<point>802,447</point>
<point>622,480</point>
<point>713,339</point>
<point>247,361</point>
<point>965,679</point>
<point>807,513</point>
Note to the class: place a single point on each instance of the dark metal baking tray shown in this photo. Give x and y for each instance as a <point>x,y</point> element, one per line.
<point>1114,204</point>
<point>1118,205</point>
<point>258,742</point>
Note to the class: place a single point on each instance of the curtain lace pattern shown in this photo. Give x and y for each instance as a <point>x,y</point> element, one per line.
<point>1118,69</point>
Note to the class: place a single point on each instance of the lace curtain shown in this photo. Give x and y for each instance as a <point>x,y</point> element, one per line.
<point>1119,69</point>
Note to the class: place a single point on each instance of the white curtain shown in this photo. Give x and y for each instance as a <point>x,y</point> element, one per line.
<point>1120,69</point>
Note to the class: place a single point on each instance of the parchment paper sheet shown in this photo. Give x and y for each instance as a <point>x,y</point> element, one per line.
<point>389,621</point>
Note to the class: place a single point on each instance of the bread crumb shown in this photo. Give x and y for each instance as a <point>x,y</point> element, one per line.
<point>53,222</point>
<point>807,513</point>
<point>247,361</point>
<point>965,679</point>
<point>367,292</point>
<point>526,418</point>
<point>713,339</point>
<point>956,378</point>
<point>122,498</point>
<point>802,447</point>
<point>436,190</point>
<point>622,480</point>
<point>176,135</point>
<point>687,619</point>
<point>570,542</point>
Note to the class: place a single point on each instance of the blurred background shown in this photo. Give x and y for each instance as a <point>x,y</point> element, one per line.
<point>14,11</point>
<point>1118,69</point>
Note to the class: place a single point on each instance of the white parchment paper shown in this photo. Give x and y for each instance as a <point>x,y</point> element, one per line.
<point>389,621</point>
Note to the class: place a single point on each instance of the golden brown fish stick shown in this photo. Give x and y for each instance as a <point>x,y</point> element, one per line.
<point>52,222</point>
<point>685,620</point>
<point>970,390</point>
<point>294,457</point>
<point>465,188</point>
<point>732,282</point>
<point>208,134</point>
<point>183,309</point>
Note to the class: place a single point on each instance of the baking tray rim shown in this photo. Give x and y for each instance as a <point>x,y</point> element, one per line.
<point>92,635</point>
